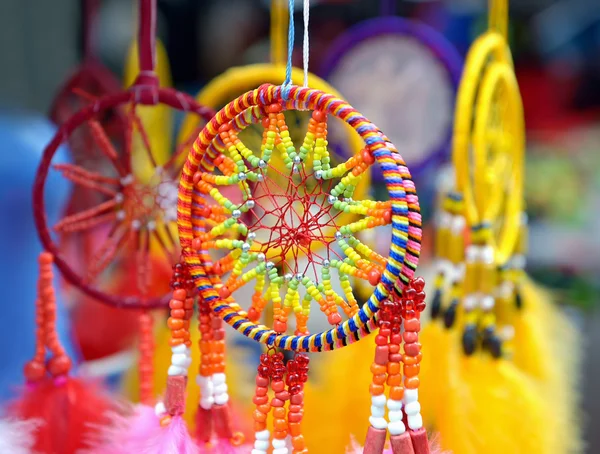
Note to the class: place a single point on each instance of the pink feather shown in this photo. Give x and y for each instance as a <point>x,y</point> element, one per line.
<point>126,433</point>
<point>18,437</point>
<point>172,439</point>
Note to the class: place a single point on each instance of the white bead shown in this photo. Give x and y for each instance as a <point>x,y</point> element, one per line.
<point>263,445</point>
<point>220,389</point>
<point>415,421</point>
<point>487,302</point>
<point>218,379</point>
<point>507,332</point>
<point>470,302</point>
<point>445,219</point>
<point>378,401</point>
<point>487,255</point>
<point>472,253</point>
<point>395,415</point>
<point>278,444</point>
<point>412,408</point>
<point>457,224</point>
<point>505,290</point>
<point>410,395</point>
<point>258,451</point>
<point>181,348</point>
<point>221,399</point>
<point>281,451</point>
<point>518,261</point>
<point>160,409</point>
<point>377,412</point>
<point>394,405</point>
<point>207,402</point>
<point>378,423</point>
<point>396,428</point>
<point>201,380</point>
<point>262,435</point>
<point>176,370</point>
<point>179,359</point>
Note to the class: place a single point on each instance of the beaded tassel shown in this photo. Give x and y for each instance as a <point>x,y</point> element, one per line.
<point>181,306</point>
<point>263,406</point>
<point>204,378</point>
<point>403,391</point>
<point>297,376</point>
<point>280,424</point>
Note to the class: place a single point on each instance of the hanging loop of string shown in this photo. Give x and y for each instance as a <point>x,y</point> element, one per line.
<point>305,44</point>
<point>287,84</point>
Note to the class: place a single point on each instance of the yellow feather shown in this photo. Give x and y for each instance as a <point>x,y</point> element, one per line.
<point>547,347</point>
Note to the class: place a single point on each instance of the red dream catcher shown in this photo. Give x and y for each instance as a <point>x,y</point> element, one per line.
<point>132,218</point>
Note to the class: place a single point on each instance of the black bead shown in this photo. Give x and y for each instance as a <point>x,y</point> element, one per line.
<point>495,346</point>
<point>450,314</point>
<point>518,299</point>
<point>469,339</point>
<point>436,304</point>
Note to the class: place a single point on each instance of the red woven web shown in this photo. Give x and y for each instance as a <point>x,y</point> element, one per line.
<point>293,219</point>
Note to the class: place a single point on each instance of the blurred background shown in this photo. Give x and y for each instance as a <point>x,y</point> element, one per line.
<point>556,46</point>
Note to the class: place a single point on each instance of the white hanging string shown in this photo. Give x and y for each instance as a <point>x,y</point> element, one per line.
<point>305,46</point>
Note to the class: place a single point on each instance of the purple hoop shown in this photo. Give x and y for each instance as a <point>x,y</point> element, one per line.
<point>443,51</point>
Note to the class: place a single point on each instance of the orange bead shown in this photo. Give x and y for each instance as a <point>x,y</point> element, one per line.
<point>174,342</point>
<point>176,304</point>
<point>393,368</point>
<point>178,313</point>
<point>259,416</point>
<point>412,371</point>
<point>280,424</point>
<point>180,294</point>
<point>295,428</point>
<point>259,426</point>
<point>298,442</point>
<point>219,347</point>
<point>280,434</point>
<point>376,390</point>
<point>174,323</point>
<point>319,116</point>
<point>379,379</point>
<point>264,408</point>
<point>396,392</point>
<point>179,333</point>
<point>411,382</point>
<point>279,412</point>
<point>394,380</point>
<point>410,360</point>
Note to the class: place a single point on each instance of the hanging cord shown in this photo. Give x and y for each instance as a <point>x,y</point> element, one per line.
<point>278,32</point>
<point>147,35</point>
<point>305,44</point>
<point>287,84</point>
<point>89,15</point>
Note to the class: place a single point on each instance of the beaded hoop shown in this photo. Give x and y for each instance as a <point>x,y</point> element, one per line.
<point>405,214</point>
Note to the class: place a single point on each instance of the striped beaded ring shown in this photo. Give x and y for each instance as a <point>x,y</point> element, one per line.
<point>262,232</point>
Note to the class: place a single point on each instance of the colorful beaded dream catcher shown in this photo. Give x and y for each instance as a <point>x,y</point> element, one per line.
<point>490,342</point>
<point>389,61</point>
<point>228,245</point>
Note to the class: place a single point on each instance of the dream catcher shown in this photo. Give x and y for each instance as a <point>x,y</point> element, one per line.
<point>135,216</point>
<point>217,94</point>
<point>491,344</point>
<point>389,61</point>
<point>228,245</point>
